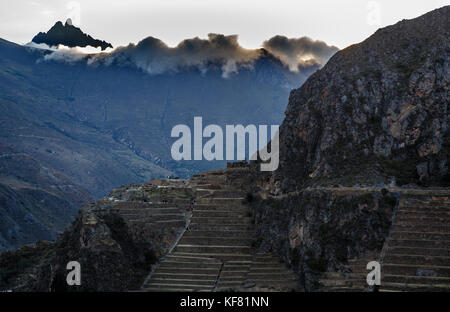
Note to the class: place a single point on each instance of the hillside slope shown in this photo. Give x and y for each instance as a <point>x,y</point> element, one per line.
<point>36,201</point>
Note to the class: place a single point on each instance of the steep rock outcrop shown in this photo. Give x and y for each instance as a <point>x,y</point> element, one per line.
<point>115,240</point>
<point>319,230</point>
<point>376,113</point>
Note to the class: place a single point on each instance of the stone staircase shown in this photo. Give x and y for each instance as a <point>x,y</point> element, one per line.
<point>215,252</point>
<point>416,255</point>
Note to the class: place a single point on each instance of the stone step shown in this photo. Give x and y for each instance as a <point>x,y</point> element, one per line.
<point>420,214</point>
<point>204,282</point>
<point>422,221</point>
<point>177,286</point>
<point>221,201</point>
<point>159,223</point>
<point>422,228</point>
<point>345,289</point>
<point>222,233</point>
<point>434,209</point>
<point>209,277</point>
<point>362,262</point>
<point>200,192</point>
<point>415,270</point>
<point>219,249</point>
<point>407,279</point>
<point>220,227</point>
<point>222,214</point>
<point>268,266</point>
<point>263,260</point>
<point>124,205</point>
<point>271,276</point>
<point>188,238</point>
<point>221,220</point>
<point>154,217</point>
<point>187,270</point>
<point>419,235</point>
<point>238,278</point>
<point>415,287</point>
<point>168,289</point>
<point>343,278</point>
<point>417,260</point>
<point>234,273</point>
<point>220,208</point>
<point>181,257</point>
<point>221,285</point>
<point>426,204</point>
<point>184,264</point>
<point>151,210</point>
<point>421,251</point>
<point>221,256</point>
<point>345,275</point>
<point>419,243</point>
<point>291,284</point>
<point>226,193</point>
<point>343,283</point>
<point>274,270</point>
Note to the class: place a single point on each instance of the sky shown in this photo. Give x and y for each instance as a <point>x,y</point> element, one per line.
<point>337,22</point>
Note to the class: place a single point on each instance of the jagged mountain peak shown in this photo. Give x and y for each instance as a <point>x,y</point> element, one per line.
<point>69,35</point>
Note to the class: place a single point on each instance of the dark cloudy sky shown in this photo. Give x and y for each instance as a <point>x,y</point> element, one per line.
<point>337,22</point>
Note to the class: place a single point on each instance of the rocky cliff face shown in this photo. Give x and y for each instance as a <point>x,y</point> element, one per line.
<point>318,230</point>
<point>376,113</point>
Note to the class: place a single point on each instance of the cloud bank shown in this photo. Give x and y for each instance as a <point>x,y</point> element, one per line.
<point>295,52</point>
<point>154,57</point>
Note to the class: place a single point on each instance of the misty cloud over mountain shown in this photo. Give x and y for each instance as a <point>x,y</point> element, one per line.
<point>297,52</point>
<point>153,56</point>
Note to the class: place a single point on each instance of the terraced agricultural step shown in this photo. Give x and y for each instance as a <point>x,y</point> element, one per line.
<point>184,264</point>
<point>192,239</point>
<point>180,223</point>
<point>154,217</point>
<point>420,235</point>
<point>186,276</point>
<point>222,214</point>
<point>222,233</point>
<point>444,244</point>
<point>178,286</point>
<point>180,270</point>
<point>442,220</point>
<point>172,280</point>
<point>220,256</point>
<point>216,248</point>
<point>417,260</point>
<point>222,201</point>
<point>419,214</point>
<point>406,279</point>
<point>415,287</point>
<point>220,227</point>
<point>151,210</point>
<point>221,220</point>
<point>219,249</point>
<point>421,251</point>
<point>415,270</point>
<point>360,284</point>
<point>425,228</point>
<point>421,209</point>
